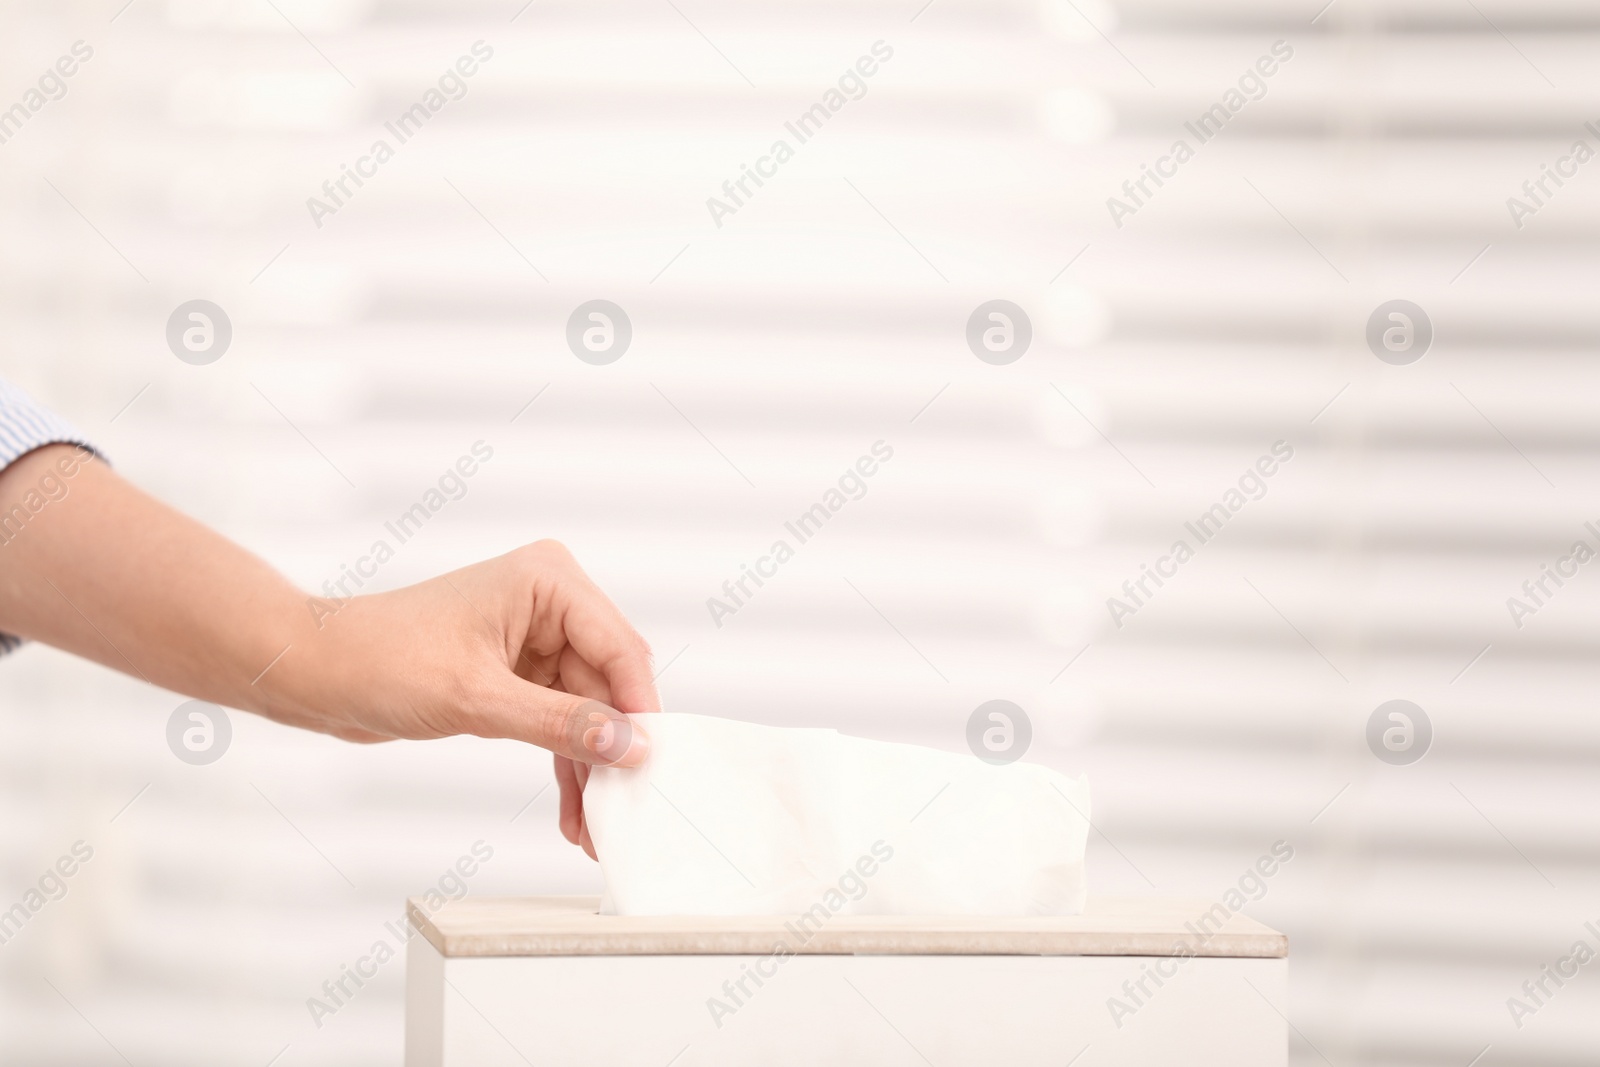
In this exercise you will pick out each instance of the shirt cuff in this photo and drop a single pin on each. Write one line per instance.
(24, 426)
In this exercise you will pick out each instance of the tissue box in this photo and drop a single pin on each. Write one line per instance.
(548, 980)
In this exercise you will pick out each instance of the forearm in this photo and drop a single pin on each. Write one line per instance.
(90, 564)
(521, 646)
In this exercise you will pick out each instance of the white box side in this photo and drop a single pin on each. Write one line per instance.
(880, 1010)
(424, 1004)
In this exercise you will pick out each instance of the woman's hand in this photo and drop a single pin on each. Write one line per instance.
(523, 646)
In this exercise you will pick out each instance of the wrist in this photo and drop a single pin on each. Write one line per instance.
(284, 663)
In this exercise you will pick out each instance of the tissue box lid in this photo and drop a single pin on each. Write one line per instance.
(572, 926)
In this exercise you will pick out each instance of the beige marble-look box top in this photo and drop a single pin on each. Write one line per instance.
(1110, 926)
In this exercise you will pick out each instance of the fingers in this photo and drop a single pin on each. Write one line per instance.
(604, 640)
(572, 777)
(580, 679)
(608, 737)
(585, 842)
(571, 817)
(586, 731)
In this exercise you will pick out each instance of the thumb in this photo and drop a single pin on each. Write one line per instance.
(576, 727)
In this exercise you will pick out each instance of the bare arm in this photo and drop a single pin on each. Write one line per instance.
(521, 646)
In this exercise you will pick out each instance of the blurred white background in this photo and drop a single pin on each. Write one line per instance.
(828, 313)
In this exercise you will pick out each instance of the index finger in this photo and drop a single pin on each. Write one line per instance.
(604, 639)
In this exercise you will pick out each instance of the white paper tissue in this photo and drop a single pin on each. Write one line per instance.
(731, 818)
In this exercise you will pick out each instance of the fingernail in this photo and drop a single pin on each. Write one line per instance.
(612, 738)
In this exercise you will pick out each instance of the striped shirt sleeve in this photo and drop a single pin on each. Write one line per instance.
(25, 426)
